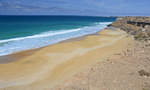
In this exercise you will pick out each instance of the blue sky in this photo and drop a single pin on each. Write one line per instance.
(75, 7)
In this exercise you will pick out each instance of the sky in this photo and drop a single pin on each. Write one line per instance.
(76, 7)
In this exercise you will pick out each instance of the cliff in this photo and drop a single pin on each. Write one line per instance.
(139, 27)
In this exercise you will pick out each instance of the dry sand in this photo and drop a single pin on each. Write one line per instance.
(128, 70)
(52, 65)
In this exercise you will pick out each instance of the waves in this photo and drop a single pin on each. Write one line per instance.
(46, 34)
(9, 46)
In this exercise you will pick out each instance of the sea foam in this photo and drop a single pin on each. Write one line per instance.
(46, 38)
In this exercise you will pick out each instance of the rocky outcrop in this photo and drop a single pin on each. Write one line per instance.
(139, 27)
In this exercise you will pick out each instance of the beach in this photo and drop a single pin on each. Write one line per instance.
(47, 67)
(30, 32)
(74, 45)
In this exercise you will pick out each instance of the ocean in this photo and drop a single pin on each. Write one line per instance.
(18, 33)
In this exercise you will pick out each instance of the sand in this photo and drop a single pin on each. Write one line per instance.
(128, 70)
(50, 66)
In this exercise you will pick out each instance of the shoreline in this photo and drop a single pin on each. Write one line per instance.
(55, 63)
(25, 53)
(38, 40)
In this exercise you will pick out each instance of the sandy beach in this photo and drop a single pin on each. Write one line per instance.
(51, 65)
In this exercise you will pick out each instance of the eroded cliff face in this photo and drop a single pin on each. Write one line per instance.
(139, 27)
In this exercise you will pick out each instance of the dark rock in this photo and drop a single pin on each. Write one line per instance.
(143, 73)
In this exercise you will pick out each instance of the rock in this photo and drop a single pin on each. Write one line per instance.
(139, 27)
(143, 73)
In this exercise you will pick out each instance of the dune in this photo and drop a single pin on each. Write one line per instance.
(53, 64)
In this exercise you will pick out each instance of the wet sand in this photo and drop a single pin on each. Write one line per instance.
(51, 65)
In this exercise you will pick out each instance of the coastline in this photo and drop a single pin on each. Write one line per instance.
(127, 70)
(55, 63)
(46, 32)
(25, 53)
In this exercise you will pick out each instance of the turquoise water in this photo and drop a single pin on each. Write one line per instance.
(19, 33)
